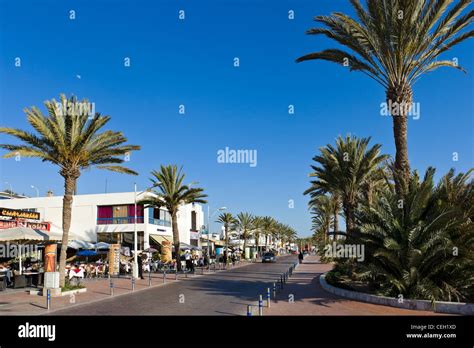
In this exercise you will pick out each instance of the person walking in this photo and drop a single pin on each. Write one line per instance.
(189, 261)
(140, 266)
(300, 257)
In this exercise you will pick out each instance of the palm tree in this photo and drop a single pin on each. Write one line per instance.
(410, 247)
(244, 224)
(170, 192)
(322, 210)
(71, 141)
(268, 226)
(228, 220)
(343, 170)
(395, 42)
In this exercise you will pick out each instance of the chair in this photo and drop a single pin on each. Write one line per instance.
(19, 281)
(3, 283)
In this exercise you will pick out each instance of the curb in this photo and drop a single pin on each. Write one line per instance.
(420, 305)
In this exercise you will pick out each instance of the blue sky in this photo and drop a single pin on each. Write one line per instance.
(190, 62)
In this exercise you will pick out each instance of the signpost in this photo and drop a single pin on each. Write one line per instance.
(20, 214)
(114, 259)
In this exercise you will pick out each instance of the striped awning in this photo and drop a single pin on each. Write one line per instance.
(159, 238)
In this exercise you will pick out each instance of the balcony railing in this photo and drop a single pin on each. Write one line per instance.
(159, 222)
(119, 220)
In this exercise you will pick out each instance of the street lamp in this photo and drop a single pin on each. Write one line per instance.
(209, 232)
(37, 191)
(135, 232)
(11, 189)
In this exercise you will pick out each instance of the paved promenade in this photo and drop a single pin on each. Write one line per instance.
(20, 302)
(311, 299)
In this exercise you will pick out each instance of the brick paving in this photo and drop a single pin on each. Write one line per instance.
(20, 302)
(311, 299)
(218, 293)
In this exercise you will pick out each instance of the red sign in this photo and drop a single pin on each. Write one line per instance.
(45, 226)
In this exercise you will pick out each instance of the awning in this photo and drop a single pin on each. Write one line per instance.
(159, 238)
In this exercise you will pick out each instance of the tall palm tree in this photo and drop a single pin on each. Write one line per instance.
(395, 42)
(73, 142)
(344, 169)
(228, 220)
(170, 192)
(244, 224)
(268, 226)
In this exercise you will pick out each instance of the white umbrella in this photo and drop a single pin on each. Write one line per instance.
(16, 234)
(80, 244)
(102, 245)
(20, 235)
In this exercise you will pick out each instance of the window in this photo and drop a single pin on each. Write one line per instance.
(119, 214)
(193, 221)
(159, 217)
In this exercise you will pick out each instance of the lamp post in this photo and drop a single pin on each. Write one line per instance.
(135, 232)
(37, 191)
(209, 232)
(135, 235)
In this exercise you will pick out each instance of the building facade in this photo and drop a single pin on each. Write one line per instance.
(110, 218)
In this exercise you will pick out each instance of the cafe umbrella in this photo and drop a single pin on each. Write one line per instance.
(26, 235)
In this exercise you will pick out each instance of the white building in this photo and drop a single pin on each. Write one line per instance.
(109, 217)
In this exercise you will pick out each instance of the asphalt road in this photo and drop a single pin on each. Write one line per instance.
(222, 293)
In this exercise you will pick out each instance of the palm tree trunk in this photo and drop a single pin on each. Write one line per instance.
(266, 241)
(349, 215)
(245, 245)
(402, 95)
(226, 244)
(69, 185)
(174, 224)
(336, 214)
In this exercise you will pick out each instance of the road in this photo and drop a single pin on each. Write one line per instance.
(221, 293)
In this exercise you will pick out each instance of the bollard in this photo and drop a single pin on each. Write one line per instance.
(281, 282)
(274, 291)
(260, 305)
(164, 276)
(133, 283)
(249, 310)
(268, 297)
(149, 278)
(176, 275)
(111, 284)
(185, 274)
(48, 299)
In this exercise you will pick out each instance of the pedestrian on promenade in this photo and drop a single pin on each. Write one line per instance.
(300, 256)
(189, 261)
(140, 266)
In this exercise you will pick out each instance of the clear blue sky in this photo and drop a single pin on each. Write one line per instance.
(190, 62)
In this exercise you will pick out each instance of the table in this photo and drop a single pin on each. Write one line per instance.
(33, 278)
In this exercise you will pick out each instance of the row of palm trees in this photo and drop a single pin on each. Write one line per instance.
(395, 43)
(418, 235)
(419, 246)
(75, 142)
(248, 225)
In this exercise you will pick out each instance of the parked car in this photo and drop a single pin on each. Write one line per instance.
(268, 257)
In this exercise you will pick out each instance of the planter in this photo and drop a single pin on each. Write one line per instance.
(421, 305)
